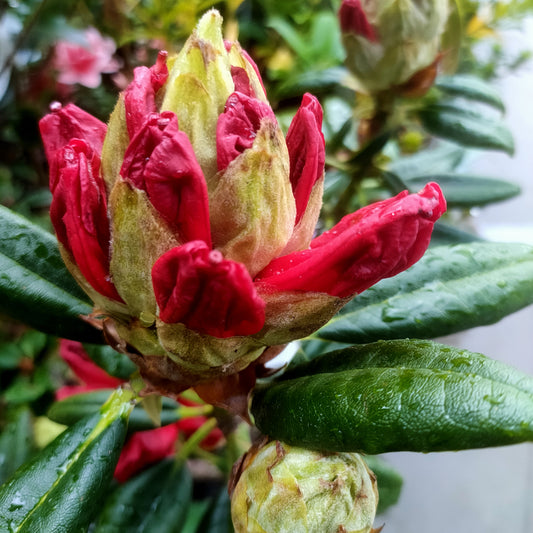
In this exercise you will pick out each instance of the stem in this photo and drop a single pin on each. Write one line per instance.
(192, 443)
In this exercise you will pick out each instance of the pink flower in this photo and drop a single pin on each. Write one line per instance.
(142, 448)
(353, 19)
(85, 63)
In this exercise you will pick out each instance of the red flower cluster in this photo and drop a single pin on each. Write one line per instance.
(193, 214)
(142, 448)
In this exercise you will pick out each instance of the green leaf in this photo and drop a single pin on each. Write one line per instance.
(444, 158)
(218, 516)
(389, 482)
(315, 81)
(399, 396)
(75, 407)
(154, 501)
(62, 487)
(35, 286)
(472, 88)
(16, 442)
(452, 288)
(467, 127)
(467, 190)
(114, 363)
(444, 234)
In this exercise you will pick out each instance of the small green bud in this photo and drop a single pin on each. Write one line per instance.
(284, 488)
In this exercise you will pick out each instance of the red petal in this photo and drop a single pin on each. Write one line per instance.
(378, 241)
(353, 20)
(139, 96)
(307, 154)
(238, 125)
(85, 369)
(145, 448)
(79, 214)
(66, 123)
(195, 286)
(160, 160)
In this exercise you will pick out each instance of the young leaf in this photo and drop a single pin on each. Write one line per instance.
(467, 127)
(452, 288)
(72, 409)
(35, 286)
(62, 487)
(155, 501)
(463, 190)
(423, 404)
(472, 88)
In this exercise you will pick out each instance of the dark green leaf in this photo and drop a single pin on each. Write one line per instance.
(218, 516)
(465, 190)
(114, 363)
(400, 396)
(444, 234)
(155, 501)
(35, 286)
(314, 81)
(452, 288)
(72, 409)
(62, 487)
(389, 482)
(470, 87)
(467, 128)
(16, 442)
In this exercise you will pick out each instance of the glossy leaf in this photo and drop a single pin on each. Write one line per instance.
(452, 288)
(218, 516)
(16, 442)
(35, 286)
(72, 409)
(63, 486)
(389, 482)
(471, 88)
(463, 190)
(467, 127)
(114, 363)
(154, 501)
(399, 396)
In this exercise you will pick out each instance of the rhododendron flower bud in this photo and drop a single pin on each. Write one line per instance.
(286, 488)
(388, 41)
(191, 223)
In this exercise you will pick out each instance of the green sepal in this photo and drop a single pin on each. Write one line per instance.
(154, 501)
(400, 396)
(452, 288)
(62, 487)
(467, 127)
(35, 286)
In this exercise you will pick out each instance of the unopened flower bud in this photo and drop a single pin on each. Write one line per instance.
(283, 488)
(189, 219)
(388, 41)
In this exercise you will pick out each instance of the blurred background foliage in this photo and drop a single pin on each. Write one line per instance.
(376, 144)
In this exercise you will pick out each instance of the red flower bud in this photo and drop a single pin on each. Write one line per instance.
(207, 293)
(238, 125)
(139, 96)
(377, 241)
(79, 214)
(66, 123)
(92, 376)
(353, 20)
(160, 161)
(306, 146)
